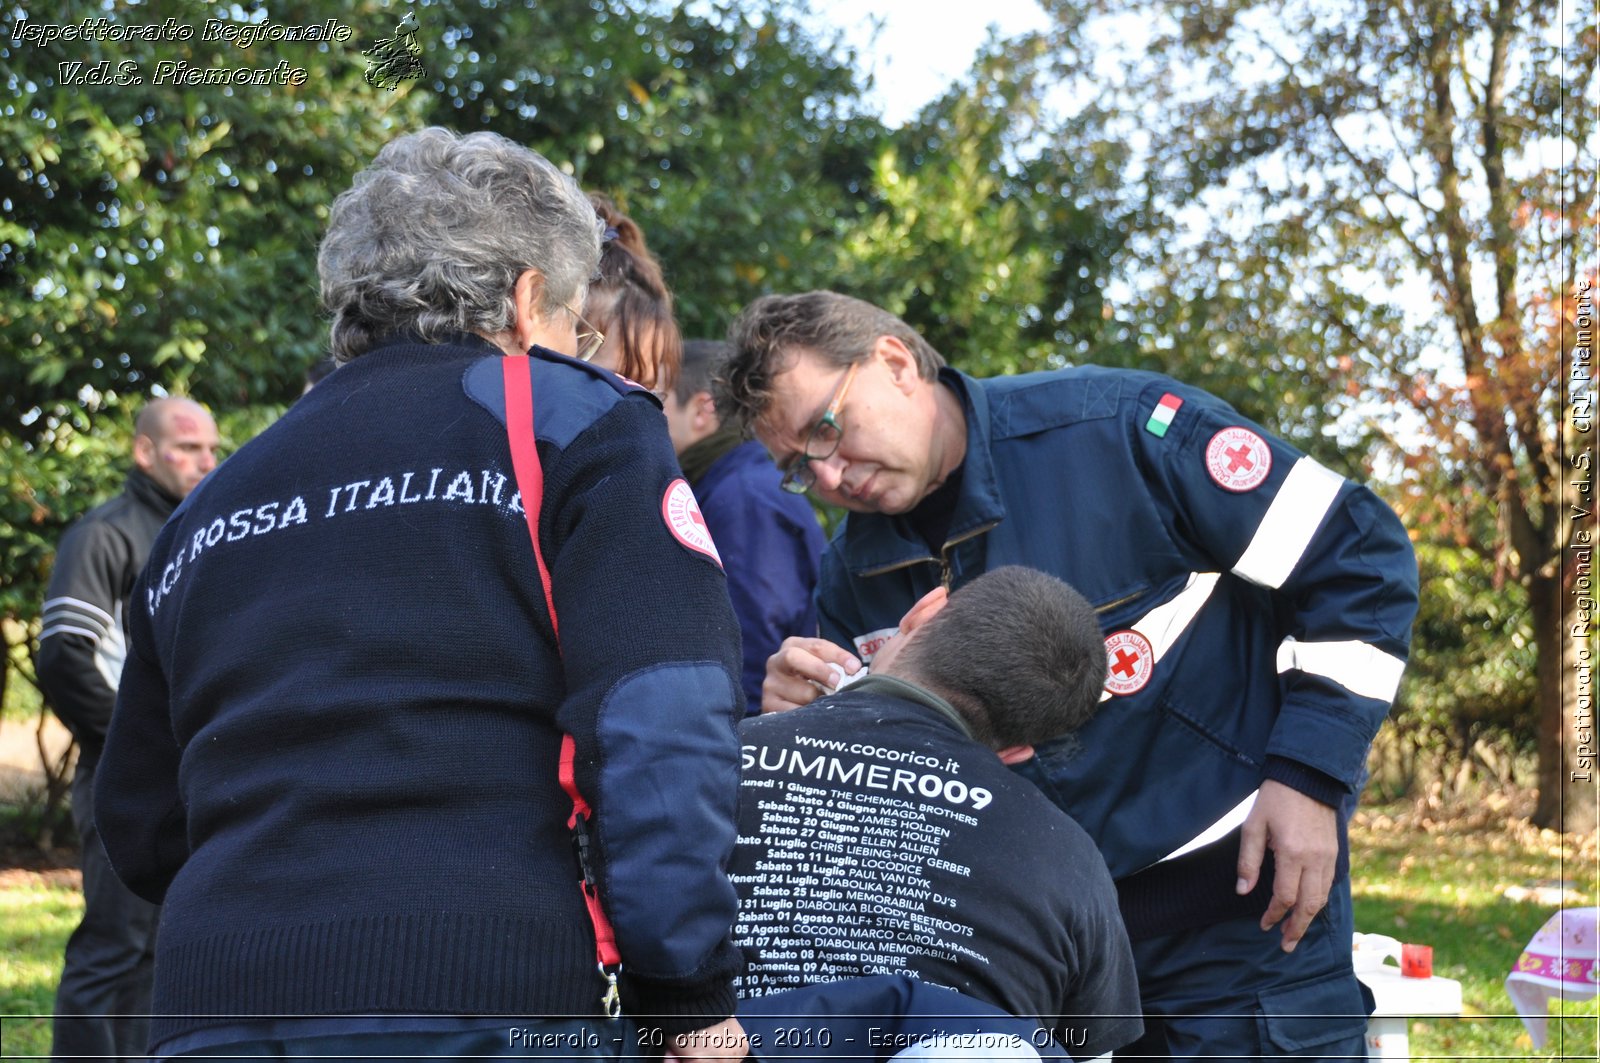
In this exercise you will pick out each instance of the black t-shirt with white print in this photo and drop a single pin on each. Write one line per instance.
(875, 837)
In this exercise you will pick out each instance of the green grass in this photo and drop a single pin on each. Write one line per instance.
(1440, 880)
(1420, 876)
(37, 912)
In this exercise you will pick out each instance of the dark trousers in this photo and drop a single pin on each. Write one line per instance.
(103, 1001)
(1228, 992)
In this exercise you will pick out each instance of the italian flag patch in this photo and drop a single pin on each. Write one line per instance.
(1165, 411)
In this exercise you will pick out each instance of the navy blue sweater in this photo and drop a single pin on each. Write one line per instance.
(334, 752)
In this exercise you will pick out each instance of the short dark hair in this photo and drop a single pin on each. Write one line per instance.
(837, 328)
(702, 361)
(1017, 652)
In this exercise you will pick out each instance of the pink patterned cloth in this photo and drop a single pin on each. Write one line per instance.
(1562, 960)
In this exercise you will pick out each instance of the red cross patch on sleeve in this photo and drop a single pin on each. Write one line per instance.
(1238, 459)
(1130, 661)
(684, 520)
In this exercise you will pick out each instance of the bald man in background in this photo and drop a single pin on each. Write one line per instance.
(103, 1000)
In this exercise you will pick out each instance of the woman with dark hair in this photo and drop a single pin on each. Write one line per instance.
(629, 302)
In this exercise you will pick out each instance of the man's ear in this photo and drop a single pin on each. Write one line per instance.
(705, 412)
(1014, 754)
(902, 363)
(144, 453)
(926, 608)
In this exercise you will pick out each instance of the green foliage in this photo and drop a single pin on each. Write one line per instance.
(161, 238)
(162, 235)
(737, 140)
(1473, 666)
(944, 246)
(991, 226)
(45, 488)
(732, 136)
(157, 238)
(1357, 233)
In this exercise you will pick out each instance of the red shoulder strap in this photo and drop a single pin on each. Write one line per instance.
(529, 474)
(525, 462)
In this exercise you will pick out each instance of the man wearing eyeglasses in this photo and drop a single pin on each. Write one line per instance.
(1256, 608)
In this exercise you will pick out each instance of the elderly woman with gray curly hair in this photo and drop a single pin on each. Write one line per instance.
(411, 742)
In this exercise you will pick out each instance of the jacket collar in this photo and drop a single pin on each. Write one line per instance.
(150, 494)
(874, 540)
(470, 341)
(895, 687)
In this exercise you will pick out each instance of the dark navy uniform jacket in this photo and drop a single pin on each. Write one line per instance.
(335, 749)
(1257, 606)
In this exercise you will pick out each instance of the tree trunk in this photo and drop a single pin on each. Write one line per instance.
(1567, 771)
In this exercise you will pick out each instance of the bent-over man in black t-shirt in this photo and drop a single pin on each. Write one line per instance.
(881, 831)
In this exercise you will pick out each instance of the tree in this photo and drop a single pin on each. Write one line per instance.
(738, 139)
(162, 233)
(1471, 684)
(158, 237)
(1392, 226)
(989, 225)
(731, 134)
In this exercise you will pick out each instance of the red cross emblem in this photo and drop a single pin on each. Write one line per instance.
(1238, 459)
(684, 520)
(1130, 661)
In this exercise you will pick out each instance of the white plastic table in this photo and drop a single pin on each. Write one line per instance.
(1399, 1000)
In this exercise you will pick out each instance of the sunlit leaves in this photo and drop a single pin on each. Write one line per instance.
(1382, 203)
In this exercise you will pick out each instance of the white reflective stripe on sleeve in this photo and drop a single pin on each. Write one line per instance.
(1292, 519)
(1231, 819)
(67, 616)
(68, 629)
(1356, 666)
(1163, 624)
(76, 603)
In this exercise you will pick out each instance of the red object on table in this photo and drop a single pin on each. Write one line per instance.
(1416, 961)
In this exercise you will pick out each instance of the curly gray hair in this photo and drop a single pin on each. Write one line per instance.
(433, 235)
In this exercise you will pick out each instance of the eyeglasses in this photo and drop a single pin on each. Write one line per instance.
(590, 339)
(821, 444)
